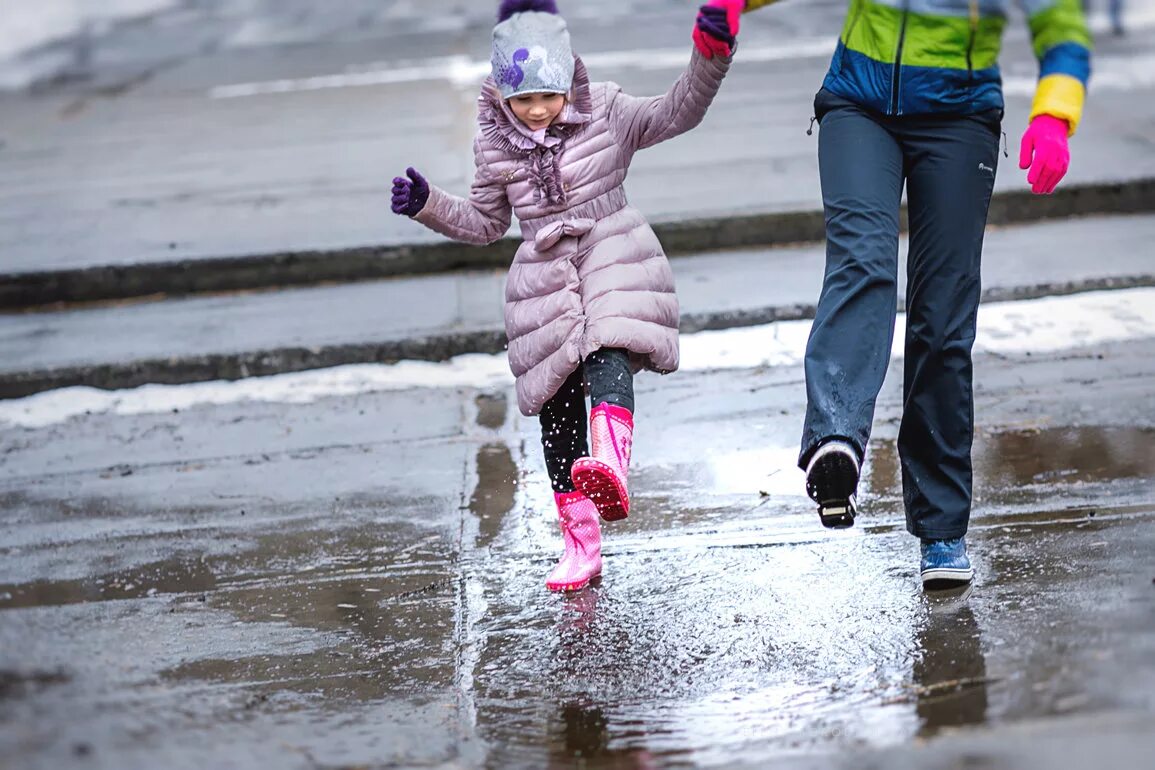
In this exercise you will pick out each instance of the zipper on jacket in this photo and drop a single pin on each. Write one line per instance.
(974, 17)
(896, 78)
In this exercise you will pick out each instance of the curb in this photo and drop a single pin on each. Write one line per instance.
(23, 291)
(435, 347)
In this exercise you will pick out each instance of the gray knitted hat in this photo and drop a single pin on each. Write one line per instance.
(531, 49)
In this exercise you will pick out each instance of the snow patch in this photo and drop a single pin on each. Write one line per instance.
(55, 406)
(1035, 326)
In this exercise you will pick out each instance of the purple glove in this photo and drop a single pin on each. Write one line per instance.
(409, 197)
(712, 33)
(716, 31)
(712, 20)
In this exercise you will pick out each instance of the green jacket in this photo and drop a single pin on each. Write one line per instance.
(909, 57)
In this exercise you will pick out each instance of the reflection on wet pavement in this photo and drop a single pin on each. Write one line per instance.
(493, 497)
(396, 614)
(949, 675)
(760, 653)
(1011, 459)
(580, 736)
(14, 684)
(167, 577)
(1020, 465)
(492, 409)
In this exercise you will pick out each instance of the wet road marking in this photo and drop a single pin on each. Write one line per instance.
(464, 72)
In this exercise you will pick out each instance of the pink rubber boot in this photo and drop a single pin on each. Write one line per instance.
(602, 477)
(582, 560)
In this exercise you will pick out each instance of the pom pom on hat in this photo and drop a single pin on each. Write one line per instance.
(510, 7)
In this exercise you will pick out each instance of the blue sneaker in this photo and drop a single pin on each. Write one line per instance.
(945, 563)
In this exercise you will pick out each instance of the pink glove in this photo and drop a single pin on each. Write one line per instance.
(734, 10)
(716, 30)
(1044, 151)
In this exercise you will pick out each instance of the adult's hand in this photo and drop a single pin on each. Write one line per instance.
(716, 30)
(1045, 152)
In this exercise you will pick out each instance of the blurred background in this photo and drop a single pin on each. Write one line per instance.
(266, 498)
(153, 130)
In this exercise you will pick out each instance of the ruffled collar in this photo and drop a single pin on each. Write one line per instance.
(503, 129)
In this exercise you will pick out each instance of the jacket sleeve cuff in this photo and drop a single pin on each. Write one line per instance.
(1060, 96)
(428, 213)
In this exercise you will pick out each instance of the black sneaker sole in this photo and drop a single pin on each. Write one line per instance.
(837, 516)
(832, 483)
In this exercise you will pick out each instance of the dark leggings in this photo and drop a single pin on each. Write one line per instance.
(563, 418)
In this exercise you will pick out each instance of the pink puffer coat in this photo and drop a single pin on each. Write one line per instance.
(590, 272)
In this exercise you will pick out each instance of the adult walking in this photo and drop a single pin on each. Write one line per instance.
(914, 96)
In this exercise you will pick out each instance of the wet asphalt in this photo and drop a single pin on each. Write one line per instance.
(358, 582)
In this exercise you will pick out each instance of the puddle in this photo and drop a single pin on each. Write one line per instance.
(491, 410)
(693, 654)
(686, 654)
(172, 576)
(19, 684)
(728, 626)
(386, 623)
(1016, 466)
(493, 497)
(332, 680)
(1006, 460)
(579, 735)
(393, 608)
(949, 676)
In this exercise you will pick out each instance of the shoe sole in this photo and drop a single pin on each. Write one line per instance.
(837, 476)
(946, 579)
(567, 587)
(600, 484)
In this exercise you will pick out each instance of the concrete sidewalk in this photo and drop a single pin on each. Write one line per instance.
(43, 289)
(251, 168)
(436, 317)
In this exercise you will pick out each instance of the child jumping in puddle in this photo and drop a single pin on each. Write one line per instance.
(590, 296)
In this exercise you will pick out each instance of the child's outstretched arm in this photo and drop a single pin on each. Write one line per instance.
(480, 219)
(643, 122)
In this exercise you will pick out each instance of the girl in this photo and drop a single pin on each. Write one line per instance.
(590, 296)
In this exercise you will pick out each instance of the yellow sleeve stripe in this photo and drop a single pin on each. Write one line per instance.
(754, 4)
(1060, 96)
